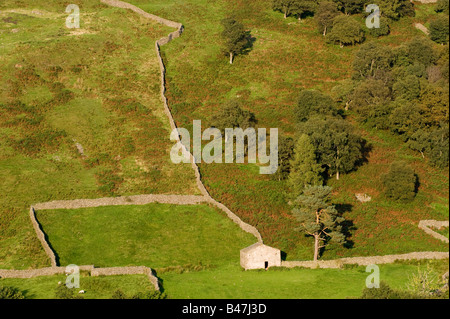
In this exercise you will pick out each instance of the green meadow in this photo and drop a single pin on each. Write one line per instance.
(101, 287)
(80, 115)
(155, 235)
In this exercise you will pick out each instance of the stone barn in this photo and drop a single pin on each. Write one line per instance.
(260, 256)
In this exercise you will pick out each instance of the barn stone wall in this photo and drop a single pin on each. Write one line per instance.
(257, 257)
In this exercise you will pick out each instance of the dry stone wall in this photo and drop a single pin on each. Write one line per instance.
(41, 236)
(122, 201)
(95, 272)
(426, 225)
(180, 28)
(365, 261)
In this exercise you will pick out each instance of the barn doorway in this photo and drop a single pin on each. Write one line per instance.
(266, 265)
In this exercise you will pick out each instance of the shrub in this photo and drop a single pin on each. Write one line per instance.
(120, 295)
(62, 292)
(442, 6)
(400, 182)
(10, 293)
(384, 29)
(439, 29)
(386, 292)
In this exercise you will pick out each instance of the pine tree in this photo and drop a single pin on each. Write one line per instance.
(304, 167)
(318, 218)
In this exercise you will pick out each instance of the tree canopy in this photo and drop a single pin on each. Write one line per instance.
(318, 217)
(235, 37)
(439, 29)
(337, 145)
(400, 182)
(232, 115)
(346, 31)
(313, 102)
(325, 14)
(304, 168)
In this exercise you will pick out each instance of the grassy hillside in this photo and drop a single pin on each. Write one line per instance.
(155, 236)
(288, 55)
(80, 115)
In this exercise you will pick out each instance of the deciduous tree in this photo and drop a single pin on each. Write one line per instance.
(439, 29)
(235, 38)
(325, 14)
(370, 58)
(312, 102)
(350, 6)
(337, 145)
(346, 31)
(232, 115)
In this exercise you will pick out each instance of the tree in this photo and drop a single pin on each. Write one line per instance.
(325, 14)
(233, 116)
(406, 118)
(342, 92)
(235, 38)
(304, 167)
(395, 9)
(62, 292)
(435, 105)
(442, 6)
(407, 88)
(370, 58)
(318, 218)
(367, 95)
(439, 29)
(312, 102)
(294, 7)
(419, 49)
(346, 31)
(284, 6)
(400, 182)
(433, 144)
(337, 145)
(285, 153)
(350, 6)
(384, 28)
(304, 6)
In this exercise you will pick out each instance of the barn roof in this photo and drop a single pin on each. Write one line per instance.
(256, 246)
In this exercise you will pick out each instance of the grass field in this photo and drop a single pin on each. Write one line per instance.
(234, 283)
(231, 282)
(155, 236)
(101, 287)
(97, 87)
